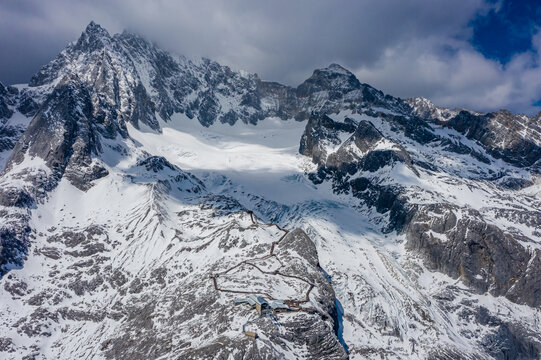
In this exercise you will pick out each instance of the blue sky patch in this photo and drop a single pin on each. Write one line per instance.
(508, 30)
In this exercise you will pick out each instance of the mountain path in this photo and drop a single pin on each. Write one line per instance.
(250, 261)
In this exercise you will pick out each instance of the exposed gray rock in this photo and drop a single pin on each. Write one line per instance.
(5, 101)
(497, 133)
(6, 345)
(480, 254)
(320, 132)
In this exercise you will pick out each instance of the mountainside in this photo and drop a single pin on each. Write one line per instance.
(153, 206)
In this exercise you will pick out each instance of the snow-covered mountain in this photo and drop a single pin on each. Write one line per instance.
(146, 199)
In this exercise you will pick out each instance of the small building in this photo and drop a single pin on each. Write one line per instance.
(247, 301)
(262, 306)
(279, 306)
(251, 334)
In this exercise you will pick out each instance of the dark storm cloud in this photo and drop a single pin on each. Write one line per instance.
(406, 48)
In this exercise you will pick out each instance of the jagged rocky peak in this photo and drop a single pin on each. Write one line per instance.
(65, 136)
(348, 145)
(334, 88)
(93, 38)
(334, 77)
(426, 109)
(140, 83)
(108, 72)
(337, 68)
(12, 99)
(514, 138)
(15, 108)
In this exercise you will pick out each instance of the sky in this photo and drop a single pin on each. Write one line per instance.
(478, 54)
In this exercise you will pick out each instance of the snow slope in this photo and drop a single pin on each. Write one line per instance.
(385, 291)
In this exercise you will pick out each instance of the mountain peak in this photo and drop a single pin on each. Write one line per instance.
(334, 67)
(420, 101)
(94, 37)
(93, 28)
(333, 77)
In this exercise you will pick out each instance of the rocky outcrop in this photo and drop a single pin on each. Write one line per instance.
(157, 168)
(12, 100)
(512, 138)
(481, 255)
(425, 109)
(65, 136)
(279, 100)
(358, 158)
(5, 102)
(322, 133)
(365, 147)
(61, 140)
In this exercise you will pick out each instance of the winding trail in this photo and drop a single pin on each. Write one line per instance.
(276, 272)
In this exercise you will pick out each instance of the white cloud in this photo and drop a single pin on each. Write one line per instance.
(457, 77)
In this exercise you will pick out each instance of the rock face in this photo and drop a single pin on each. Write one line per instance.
(402, 230)
(480, 254)
(513, 138)
(392, 160)
(65, 135)
(456, 240)
(11, 101)
(365, 148)
(499, 133)
(137, 82)
(5, 101)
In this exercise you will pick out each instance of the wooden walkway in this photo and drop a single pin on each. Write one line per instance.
(276, 272)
